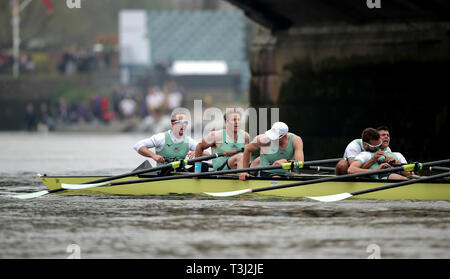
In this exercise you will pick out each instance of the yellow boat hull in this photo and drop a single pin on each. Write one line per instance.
(420, 191)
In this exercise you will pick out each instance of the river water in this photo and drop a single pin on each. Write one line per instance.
(59, 227)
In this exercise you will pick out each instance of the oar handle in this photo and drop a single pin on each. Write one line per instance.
(287, 166)
(214, 156)
(232, 152)
(174, 165)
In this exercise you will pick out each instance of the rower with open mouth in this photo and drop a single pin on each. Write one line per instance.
(368, 136)
(378, 155)
(172, 145)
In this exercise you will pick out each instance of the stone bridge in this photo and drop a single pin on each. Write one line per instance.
(336, 67)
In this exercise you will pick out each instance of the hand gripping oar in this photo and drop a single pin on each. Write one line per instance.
(104, 181)
(409, 167)
(286, 166)
(343, 196)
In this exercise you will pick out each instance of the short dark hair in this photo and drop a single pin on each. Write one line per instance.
(382, 128)
(370, 134)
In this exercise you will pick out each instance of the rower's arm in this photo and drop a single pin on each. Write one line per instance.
(143, 147)
(369, 163)
(207, 142)
(372, 160)
(356, 167)
(247, 138)
(249, 148)
(298, 149)
(200, 147)
(144, 151)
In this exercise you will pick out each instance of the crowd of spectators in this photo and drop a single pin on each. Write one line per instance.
(71, 60)
(81, 60)
(26, 63)
(122, 104)
(148, 102)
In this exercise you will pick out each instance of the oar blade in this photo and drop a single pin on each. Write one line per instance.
(229, 194)
(331, 198)
(30, 195)
(83, 186)
(145, 165)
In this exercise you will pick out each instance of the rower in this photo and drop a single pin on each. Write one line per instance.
(368, 142)
(389, 158)
(377, 155)
(170, 146)
(229, 139)
(383, 155)
(385, 136)
(276, 146)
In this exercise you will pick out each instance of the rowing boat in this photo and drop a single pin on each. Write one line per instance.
(430, 190)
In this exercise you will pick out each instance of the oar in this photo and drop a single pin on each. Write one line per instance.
(320, 168)
(102, 181)
(286, 166)
(439, 169)
(343, 196)
(410, 167)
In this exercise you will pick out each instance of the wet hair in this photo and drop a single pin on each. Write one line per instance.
(370, 134)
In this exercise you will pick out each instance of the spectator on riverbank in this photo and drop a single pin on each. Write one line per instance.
(26, 63)
(117, 96)
(63, 110)
(67, 66)
(128, 108)
(83, 112)
(31, 118)
(6, 62)
(75, 60)
(155, 101)
(45, 117)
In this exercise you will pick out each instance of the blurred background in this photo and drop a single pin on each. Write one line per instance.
(119, 65)
(333, 68)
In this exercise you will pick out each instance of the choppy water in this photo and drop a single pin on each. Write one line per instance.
(190, 226)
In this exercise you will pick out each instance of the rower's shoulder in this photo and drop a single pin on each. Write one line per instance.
(297, 138)
(158, 136)
(214, 134)
(246, 134)
(364, 156)
(355, 144)
(213, 137)
(262, 139)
